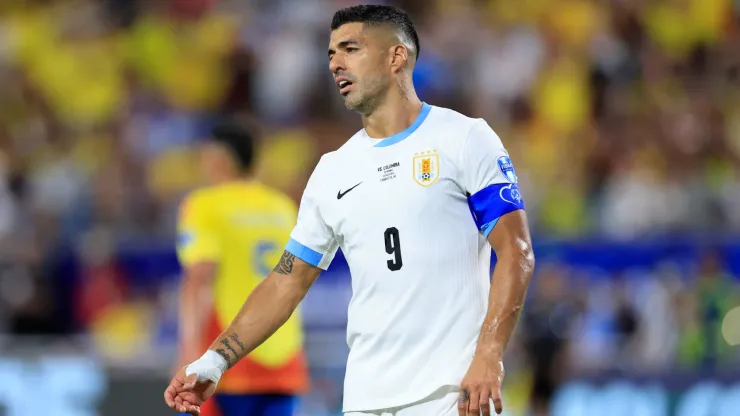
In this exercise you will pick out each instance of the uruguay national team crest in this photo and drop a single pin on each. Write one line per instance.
(426, 167)
(507, 168)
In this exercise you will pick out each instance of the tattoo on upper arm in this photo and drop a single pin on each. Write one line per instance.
(285, 265)
(225, 356)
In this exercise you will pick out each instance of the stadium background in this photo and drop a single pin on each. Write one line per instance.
(622, 116)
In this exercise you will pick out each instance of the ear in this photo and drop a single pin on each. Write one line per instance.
(399, 58)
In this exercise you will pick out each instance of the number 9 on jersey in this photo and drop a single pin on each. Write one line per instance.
(393, 247)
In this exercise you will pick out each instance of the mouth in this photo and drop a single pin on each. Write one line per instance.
(344, 86)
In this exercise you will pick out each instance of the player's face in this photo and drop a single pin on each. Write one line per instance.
(360, 67)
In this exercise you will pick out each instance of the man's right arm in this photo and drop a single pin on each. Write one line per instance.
(266, 309)
(310, 250)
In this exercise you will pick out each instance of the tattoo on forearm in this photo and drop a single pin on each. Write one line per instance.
(235, 338)
(227, 344)
(285, 265)
(225, 356)
(224, 352)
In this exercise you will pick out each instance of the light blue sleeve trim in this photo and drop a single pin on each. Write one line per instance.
(304, 253)
(487, 228)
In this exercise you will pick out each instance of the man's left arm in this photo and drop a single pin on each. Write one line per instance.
(512, 244)
(497, 207)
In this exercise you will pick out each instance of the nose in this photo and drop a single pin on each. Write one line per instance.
(337, 64)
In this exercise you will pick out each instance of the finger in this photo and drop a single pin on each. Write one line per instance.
(192, 398)
(190, 382)
(179, 403)
(474, 403)
(462, 402)
(191, 408)
(498, 404)
(485, 402)
(169, 396)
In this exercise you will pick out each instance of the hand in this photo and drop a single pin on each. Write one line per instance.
(187, 394)
(184, 358)
(481, 383)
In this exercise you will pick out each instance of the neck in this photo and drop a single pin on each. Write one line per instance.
(397, 112)
(229, 178)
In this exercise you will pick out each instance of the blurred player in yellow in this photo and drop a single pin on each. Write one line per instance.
(229, 234)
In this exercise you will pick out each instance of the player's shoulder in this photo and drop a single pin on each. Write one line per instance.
(451, 130)
(330, 161)
(197, 200)
(334, 162)
(442, 117)
(274, 197)
(356, 143)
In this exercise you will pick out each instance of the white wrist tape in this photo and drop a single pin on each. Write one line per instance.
(211, 366)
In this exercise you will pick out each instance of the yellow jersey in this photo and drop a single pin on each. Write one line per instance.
(243, 227)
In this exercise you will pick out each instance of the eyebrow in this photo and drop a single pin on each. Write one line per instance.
(343, 44)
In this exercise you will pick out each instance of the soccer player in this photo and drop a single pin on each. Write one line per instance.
(415, 200)
(230, 234)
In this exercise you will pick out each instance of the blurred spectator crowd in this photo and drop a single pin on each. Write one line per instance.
(622, 116)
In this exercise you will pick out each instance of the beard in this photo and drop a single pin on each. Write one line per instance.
(368, 96)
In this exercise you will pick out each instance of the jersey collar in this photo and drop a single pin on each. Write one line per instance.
(398, 137)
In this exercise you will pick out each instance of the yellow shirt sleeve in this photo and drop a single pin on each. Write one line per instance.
(196, 240)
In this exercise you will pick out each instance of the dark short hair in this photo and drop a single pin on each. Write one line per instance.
(375, 15)
(238, 139)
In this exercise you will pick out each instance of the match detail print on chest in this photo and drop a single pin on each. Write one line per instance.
(408, 179)
(424, 168)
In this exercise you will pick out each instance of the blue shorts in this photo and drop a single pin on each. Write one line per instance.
(256, 404)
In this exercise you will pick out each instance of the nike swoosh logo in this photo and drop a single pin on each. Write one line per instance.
(340, 194)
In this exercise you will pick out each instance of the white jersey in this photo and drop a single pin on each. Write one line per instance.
(411, 214)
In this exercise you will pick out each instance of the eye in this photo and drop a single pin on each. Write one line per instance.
(352, 49)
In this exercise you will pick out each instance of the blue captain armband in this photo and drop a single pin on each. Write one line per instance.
(492, 202)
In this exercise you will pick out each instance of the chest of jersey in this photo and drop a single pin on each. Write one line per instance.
(413, 191)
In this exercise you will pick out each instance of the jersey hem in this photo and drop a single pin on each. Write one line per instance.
(396, 402)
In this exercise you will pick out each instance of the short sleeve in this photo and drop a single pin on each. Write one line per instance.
(312, 240)
(488, 177)
(196, 241)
